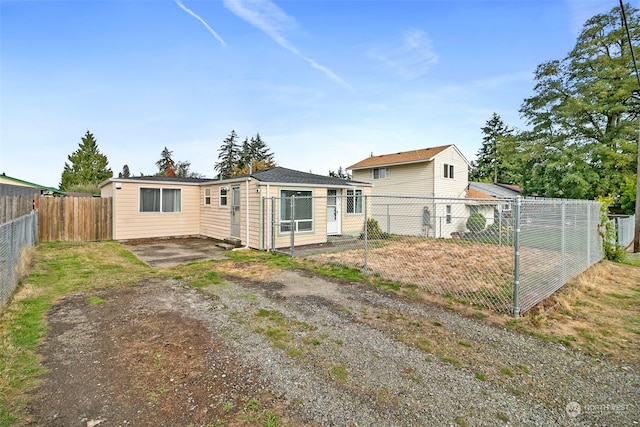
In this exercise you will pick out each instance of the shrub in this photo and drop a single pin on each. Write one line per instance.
(374, 231)
(476, 222)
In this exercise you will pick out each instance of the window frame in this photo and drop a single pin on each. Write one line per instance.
(380, 171)
(447, 214)
(448, 171)
(207, 196)
(354, 201)
(223, 199)
(160, 203)
(301, 225)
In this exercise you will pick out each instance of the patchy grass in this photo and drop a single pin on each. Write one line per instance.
(598, 312)
(57, 269)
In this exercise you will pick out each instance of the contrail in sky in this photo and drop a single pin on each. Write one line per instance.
(273, 21)
(192, 13)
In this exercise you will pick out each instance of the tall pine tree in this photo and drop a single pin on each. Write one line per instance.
(496, 160)
(87, 167)
(228, 157)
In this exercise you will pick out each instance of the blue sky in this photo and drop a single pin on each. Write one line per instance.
(325, 83)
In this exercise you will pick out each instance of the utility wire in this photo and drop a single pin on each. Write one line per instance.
(633, 57)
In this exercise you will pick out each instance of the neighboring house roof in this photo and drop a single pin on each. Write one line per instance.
(282, 175)
(158, 179)
(481, 190)
(4, 178)
(404, 157)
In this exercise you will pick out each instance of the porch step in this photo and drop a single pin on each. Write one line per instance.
(229, 243)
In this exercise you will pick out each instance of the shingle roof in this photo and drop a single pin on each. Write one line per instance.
(413, 156)
(165, 179)
(478, 189)
(291, 176)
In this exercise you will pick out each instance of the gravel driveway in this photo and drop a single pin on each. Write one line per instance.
(326, 353)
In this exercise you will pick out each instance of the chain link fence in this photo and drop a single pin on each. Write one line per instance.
(16, 237)
(502, 254)
(625, 229)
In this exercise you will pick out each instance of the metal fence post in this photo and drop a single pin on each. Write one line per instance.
(365, 268)
(516, 260)
(563, 242)
(292, 224)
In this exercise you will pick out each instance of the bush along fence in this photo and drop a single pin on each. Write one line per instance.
(502, 254)
(16, 237)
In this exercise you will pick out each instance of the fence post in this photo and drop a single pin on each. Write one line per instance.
(516, 260)
(293, 223)
(365, 234)
(563, 242)
(588, 235)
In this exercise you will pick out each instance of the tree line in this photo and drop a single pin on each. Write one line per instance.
(583, 118)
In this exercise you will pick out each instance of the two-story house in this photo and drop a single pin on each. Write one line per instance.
(403, 181)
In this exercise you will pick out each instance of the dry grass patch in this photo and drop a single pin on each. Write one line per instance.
(598, 312)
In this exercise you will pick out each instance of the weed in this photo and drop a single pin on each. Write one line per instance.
(436, 323)
(339, 373)
(464, 343)
(269, 419)
(95, 301)
(428, 359)
(462, 422)
(424, 344)
(251, 404)
(452, 360)
(587, 336)
(567, 341)
(508, 372)
(514, 391)
(502, 417)
(227, 406)
(480, 315)
(523, 369)
(481, 376)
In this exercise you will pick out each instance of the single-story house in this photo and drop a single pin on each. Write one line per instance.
(259, 210)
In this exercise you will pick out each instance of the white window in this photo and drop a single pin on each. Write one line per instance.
(380, 173)
(354, 201)
(448, 214)
(160, 200)
(223, 196)
(207, 196)
(448, 171)
(296, 210)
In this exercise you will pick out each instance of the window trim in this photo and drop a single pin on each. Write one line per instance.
(285, 224)
(223, 199)
(353, 207)
(448, 171)
(160, 201)
(447, 214)
(207, 196)
(385, 172)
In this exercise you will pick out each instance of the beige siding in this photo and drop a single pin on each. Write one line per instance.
(130, 223)
(447, 187)
(215, 219)
(415, 179)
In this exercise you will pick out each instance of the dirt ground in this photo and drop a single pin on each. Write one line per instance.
(156, 354)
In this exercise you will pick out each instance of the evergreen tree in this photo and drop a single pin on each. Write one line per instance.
(497, 155)
(584, 114)
(166, 164)
(259, 151)
(125, 172)
(340, 173)
(229, 156)
(87, 166)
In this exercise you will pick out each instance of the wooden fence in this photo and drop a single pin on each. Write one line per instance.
(12, 207)
(74, 218)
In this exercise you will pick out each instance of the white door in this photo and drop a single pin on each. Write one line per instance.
(333, 212)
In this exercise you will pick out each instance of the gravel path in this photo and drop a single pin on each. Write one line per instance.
(341, 354)
(345, 365)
